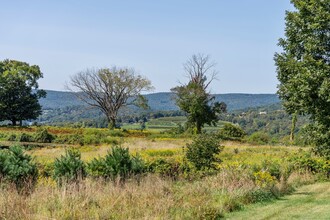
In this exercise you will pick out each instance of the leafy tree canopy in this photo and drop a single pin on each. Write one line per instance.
(19, 92)
(194, 99)
(304, 65)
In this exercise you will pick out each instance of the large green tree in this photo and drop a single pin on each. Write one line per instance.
(304, 66)
(194, 97)
(19, 92)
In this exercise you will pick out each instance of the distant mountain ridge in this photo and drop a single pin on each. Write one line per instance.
(164, 101)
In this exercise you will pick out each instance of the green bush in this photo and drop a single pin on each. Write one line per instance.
(110, 140)
(118, 163)
(26, 138)
(12, 137)
(3, 136)
(160, 153)
(2, 164)
(92, 139)
(318, 136)
(231, 132)
(203, 151)
(258, 138)
(43, 136)
(165, 167)
(313, 164)
(18, 168)
(259, 195)
(97, 168)
(70, 139)
(46, 169)
(69, 168)
(273, 167)
(178, 129)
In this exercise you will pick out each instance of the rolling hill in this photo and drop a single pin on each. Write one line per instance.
(64, 107)
(164, 101)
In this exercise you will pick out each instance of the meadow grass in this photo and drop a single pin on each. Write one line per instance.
(308, 202)
(152, 196)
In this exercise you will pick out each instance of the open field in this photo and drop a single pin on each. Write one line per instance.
(152, 198)
(308, 202)
(247, 174)
(165, 123)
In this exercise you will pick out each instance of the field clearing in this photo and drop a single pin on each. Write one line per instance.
(308, 202)
(153, 195)
(136, 145)
(166, 123)
(233, 151)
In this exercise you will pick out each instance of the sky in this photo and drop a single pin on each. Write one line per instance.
(64, 37)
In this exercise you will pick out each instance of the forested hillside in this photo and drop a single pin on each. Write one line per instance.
(164, 101)
(66, 107)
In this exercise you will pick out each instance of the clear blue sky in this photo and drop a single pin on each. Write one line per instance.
(64, 37)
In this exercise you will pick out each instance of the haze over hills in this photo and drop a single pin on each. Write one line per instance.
(65, 107)
(164, 101)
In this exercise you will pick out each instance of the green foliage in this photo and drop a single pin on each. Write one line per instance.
(12, 137)
(203, 151)
(260, 194)
(316, 135)
(199, 106)
(18, 168)
(43, 136)
(313, 164)
(304, 65)
(19, 92)
(70, 139)
(160, 153)
(92, 139)
(179, 129)
(321, 140)
(231, 132)
(69, 168)
(259, 138)
(166, 167)
(272, 167)
(194, 99)
(24, 137)
(210, 213)
(3, 157)
(118, 163)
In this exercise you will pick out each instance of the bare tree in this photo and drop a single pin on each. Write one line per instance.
(110, 89)
(194, 97)
(200, 70)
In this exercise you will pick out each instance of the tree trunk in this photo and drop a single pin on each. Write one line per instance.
(293, 126)
(13, 121)
(111, 123)
(198, 127)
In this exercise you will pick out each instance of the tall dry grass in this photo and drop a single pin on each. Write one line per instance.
(150, 198)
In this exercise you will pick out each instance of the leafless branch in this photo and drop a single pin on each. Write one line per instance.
(200, 70)
(108, 89)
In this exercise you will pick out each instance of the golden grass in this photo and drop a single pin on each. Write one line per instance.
(48, 154)
(150, 198)
(138, 145)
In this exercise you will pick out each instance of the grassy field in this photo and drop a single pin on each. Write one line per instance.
(166, 123)
(246, 174)
(308, 202)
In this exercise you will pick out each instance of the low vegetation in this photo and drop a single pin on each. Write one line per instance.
(149, 175)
